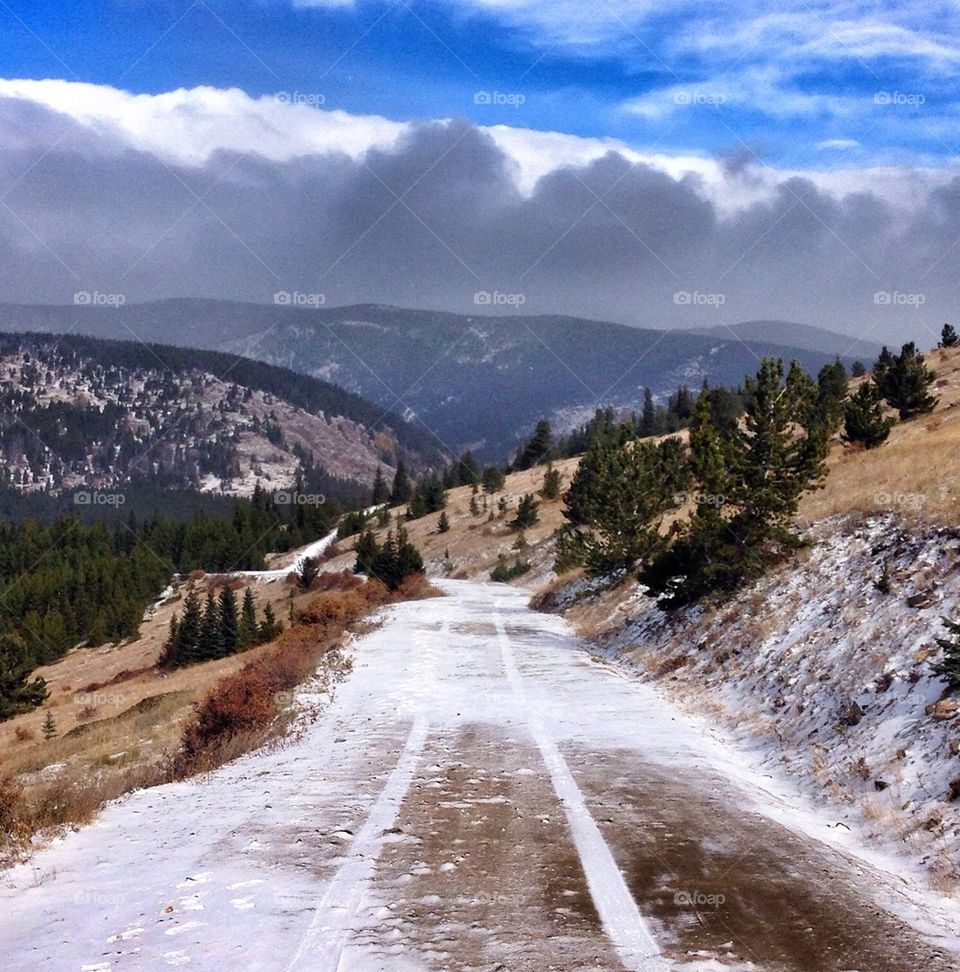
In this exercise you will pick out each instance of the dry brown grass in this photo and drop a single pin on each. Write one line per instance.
(915, 473)
(127, 724)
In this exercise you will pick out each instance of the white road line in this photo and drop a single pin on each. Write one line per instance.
(617, 908)
(326, 938)
(323, 944)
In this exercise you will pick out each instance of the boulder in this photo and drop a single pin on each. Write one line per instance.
(943, 710)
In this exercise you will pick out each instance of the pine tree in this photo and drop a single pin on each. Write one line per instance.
(551, 483)
(409, 560)
(904, 381)
(211, 645)
(443, 524)
(49, 727)
(616, 503)
(831, 394)
(949, 668)
(402, 488)
(884, 583)
(270, 627)
(366, 549)
(247, 628)
(307, 570)
(527, 513)
(432, 493)
(864, 421)
(229, 621)
(188, 648)
(380, 492)
(749, 483)
(537, 448)
(168, 653)
(493, 479)
(17, 694)
(396, 560)
(417, 507)
(858, 369)
(648, 418)
(474, 506)
(948, 337)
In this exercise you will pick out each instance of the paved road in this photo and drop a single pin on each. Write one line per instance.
(480, 795)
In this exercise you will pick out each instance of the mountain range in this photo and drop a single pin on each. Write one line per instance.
(444, 373)
(80, 413)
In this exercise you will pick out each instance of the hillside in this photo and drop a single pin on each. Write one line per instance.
(812, 671)
(442, 370)
(796, 335)
(79, 412)
(790, 743)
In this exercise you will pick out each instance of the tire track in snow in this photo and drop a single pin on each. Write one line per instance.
(322, 946)
(617, 908)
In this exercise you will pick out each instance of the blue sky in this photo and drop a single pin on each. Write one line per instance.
(813, 84)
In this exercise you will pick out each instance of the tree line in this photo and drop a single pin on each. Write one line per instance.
(65, 583)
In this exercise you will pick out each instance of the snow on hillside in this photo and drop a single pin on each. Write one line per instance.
(824, 676)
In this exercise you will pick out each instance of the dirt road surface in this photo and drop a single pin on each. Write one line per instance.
(481, 794)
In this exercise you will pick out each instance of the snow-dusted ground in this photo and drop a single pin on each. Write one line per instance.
(822, 676)
(316, 549)
(480, 794)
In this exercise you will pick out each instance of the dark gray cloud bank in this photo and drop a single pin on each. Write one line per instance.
(439, 219)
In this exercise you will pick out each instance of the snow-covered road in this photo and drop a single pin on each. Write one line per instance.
(481, 794)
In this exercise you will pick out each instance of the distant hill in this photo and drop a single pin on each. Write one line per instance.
(462, 381)
(803, 336)
(78, 412)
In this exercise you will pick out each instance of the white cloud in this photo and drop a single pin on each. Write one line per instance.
(838, 143)
(188, 126)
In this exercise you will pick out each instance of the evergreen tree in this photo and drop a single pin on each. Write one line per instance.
(396, 560)
(474, 506)
(168, 653)
(468, 473)
(49, 727)
(211, 644)
(186, 648)
(229, 621)
(409, 560)
(551, 484)
(616, 504)
(948, 336)
(402, 488)
(537, 448)
(270, 627)
(443, 524)
(864, 421)
(750, 481)
(949, 668)
(494, 479)
(417, 507)
(527, 513)
(380, 492)
(831, 394)
(883, 362)
(366, 549)
(307, 570)
(433, 494)
(247, 628)
(858, 369)
(904, 381)
(648, 418)
(17, 694)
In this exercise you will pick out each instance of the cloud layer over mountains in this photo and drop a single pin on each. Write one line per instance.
(260, 196)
